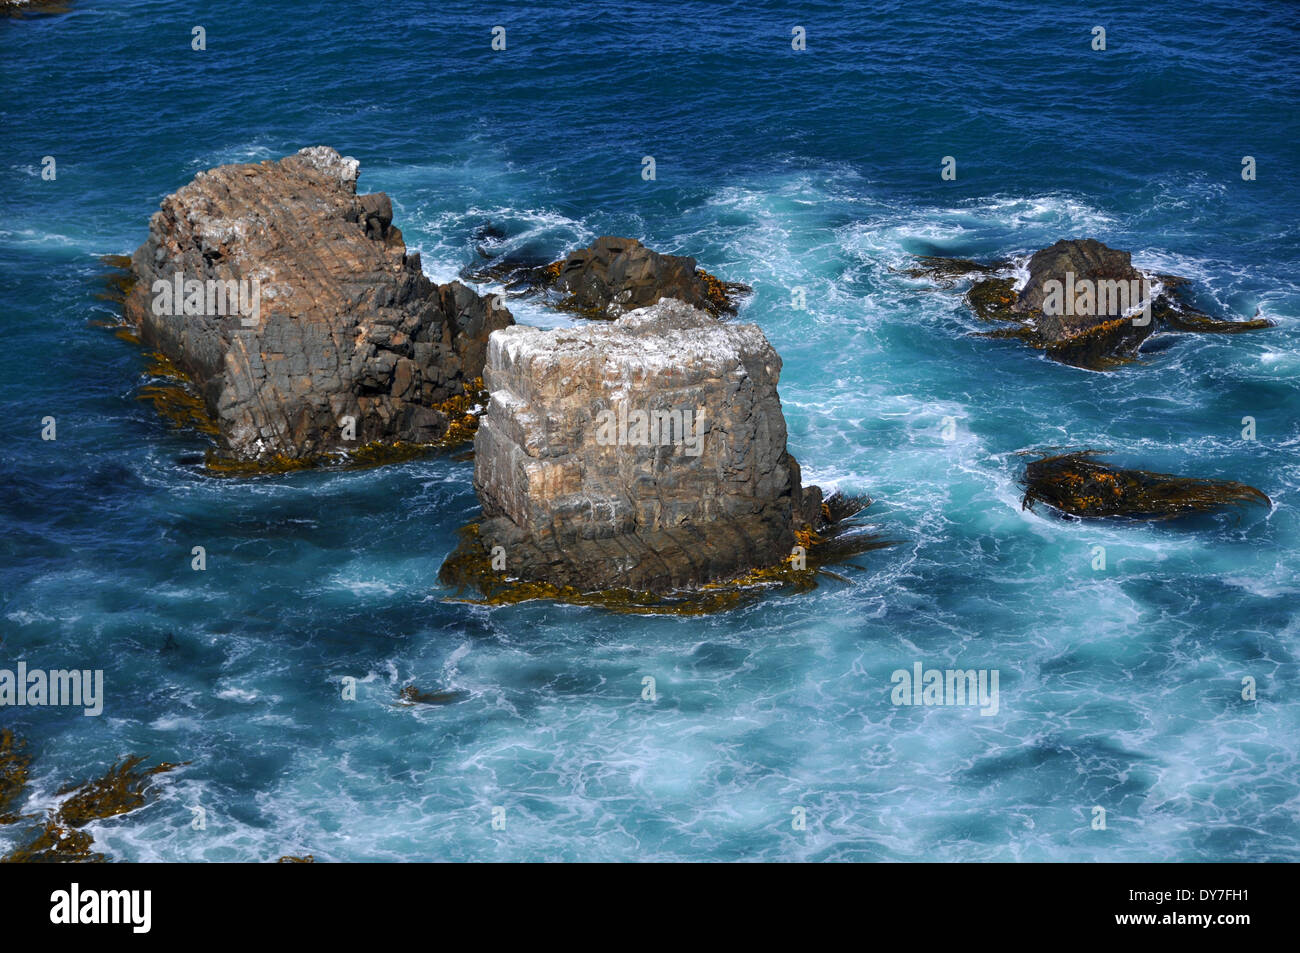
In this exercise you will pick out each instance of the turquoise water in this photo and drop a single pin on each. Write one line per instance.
(816, 170)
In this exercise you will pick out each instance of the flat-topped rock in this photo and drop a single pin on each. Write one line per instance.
(648, 453)
(332, 319)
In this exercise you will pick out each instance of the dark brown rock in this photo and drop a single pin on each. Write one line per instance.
(17, 9)
(1071, 262)
(1082, 303)
(613, 276)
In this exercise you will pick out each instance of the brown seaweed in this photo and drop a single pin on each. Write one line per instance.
(34, 8)
(992, 299)
(122, 789)
(55, 843)
(13, 773)
(57, 838)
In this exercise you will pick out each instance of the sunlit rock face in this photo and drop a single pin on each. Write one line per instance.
(293, 304)
(647, 453)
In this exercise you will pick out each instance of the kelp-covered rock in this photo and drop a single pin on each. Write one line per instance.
(647, 454)
(25, 8)
(292, 305)
(836, 534)
(411, 695)
(1079, 485)
(1074, 263)
(613, 276)
(1083, 303)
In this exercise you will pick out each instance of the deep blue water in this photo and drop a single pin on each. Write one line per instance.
(817, 170)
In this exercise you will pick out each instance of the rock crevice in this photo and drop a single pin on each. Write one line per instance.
(345, 325)
(648, 453)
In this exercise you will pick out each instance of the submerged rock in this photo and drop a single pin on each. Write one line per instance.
(948, 269)
(614, 276)
(1083, 303)
(411, 695)
(1077, 484)
(292, 305)
(645, 455)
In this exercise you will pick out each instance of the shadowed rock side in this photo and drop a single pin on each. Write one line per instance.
(614, 276)
(1077, 484)
(1096, 321)
(644, 456)
(344, 323)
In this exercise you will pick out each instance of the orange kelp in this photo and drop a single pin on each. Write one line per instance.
(1078, 485)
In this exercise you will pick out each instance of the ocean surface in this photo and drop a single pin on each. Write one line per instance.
(817, 170)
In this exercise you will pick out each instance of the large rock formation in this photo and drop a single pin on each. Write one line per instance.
(334, 320)
(1082, 303)
(645, 454)
(611, 277)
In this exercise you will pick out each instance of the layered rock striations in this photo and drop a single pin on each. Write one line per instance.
(293, 305)
(648, 454)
